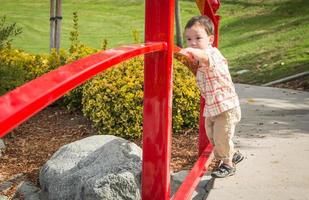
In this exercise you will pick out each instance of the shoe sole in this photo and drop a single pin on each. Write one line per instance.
(215, 176)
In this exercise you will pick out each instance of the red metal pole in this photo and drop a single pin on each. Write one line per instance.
(159, 23)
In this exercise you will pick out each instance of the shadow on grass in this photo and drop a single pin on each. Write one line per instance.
(287, 16)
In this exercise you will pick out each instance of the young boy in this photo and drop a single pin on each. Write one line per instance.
(222, 111)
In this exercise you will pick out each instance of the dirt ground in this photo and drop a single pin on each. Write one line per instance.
(30, 145)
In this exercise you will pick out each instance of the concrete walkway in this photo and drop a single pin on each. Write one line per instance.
(274, 137)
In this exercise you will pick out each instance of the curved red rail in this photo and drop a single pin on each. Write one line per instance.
(25, 101)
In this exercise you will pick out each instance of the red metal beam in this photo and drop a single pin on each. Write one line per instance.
(193, 178)
(23, 102)
(157, 122)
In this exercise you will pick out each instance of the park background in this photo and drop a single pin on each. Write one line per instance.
(262, 40)
(267, 38)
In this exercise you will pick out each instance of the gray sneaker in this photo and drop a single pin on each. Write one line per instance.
(237, 157)
(223, 171)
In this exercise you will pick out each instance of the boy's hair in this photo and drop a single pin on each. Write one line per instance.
(203, 21)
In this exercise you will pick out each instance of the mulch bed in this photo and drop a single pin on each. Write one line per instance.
(31, 144)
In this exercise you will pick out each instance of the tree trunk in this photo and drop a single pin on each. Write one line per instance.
(58, 24)
(52, 25)
(178, 24)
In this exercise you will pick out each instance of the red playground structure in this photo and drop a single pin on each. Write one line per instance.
(22, 103)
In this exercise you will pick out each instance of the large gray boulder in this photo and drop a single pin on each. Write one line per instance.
(97, 167)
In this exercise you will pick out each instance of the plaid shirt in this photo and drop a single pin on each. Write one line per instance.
(215, 84)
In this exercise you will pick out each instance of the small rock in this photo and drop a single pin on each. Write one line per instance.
(28, 191)
(2, 146)
(5, 185)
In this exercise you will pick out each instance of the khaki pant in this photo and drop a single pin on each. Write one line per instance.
(220, 130)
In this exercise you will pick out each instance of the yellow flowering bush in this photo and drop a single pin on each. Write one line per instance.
(18, 67)
(113, 100)
(186, 99)
(13, 68)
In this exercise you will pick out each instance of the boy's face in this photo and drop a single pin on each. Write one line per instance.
(197, 37)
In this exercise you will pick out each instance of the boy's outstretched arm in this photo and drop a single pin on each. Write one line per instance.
(198, 56)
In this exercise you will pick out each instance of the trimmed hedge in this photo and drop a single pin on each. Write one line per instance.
(186, 99)
(14, 68)
(113, 100)
(18, 67)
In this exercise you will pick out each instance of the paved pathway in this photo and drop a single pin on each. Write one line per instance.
(274, 137)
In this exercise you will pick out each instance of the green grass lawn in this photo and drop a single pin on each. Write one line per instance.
(113, 20)
(98, 20)
(269, 38)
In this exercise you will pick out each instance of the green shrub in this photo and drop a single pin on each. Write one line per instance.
(13, 68)
(44, 63)
(11, 77)
(186, 98)
(113, 100)
(18, 67)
